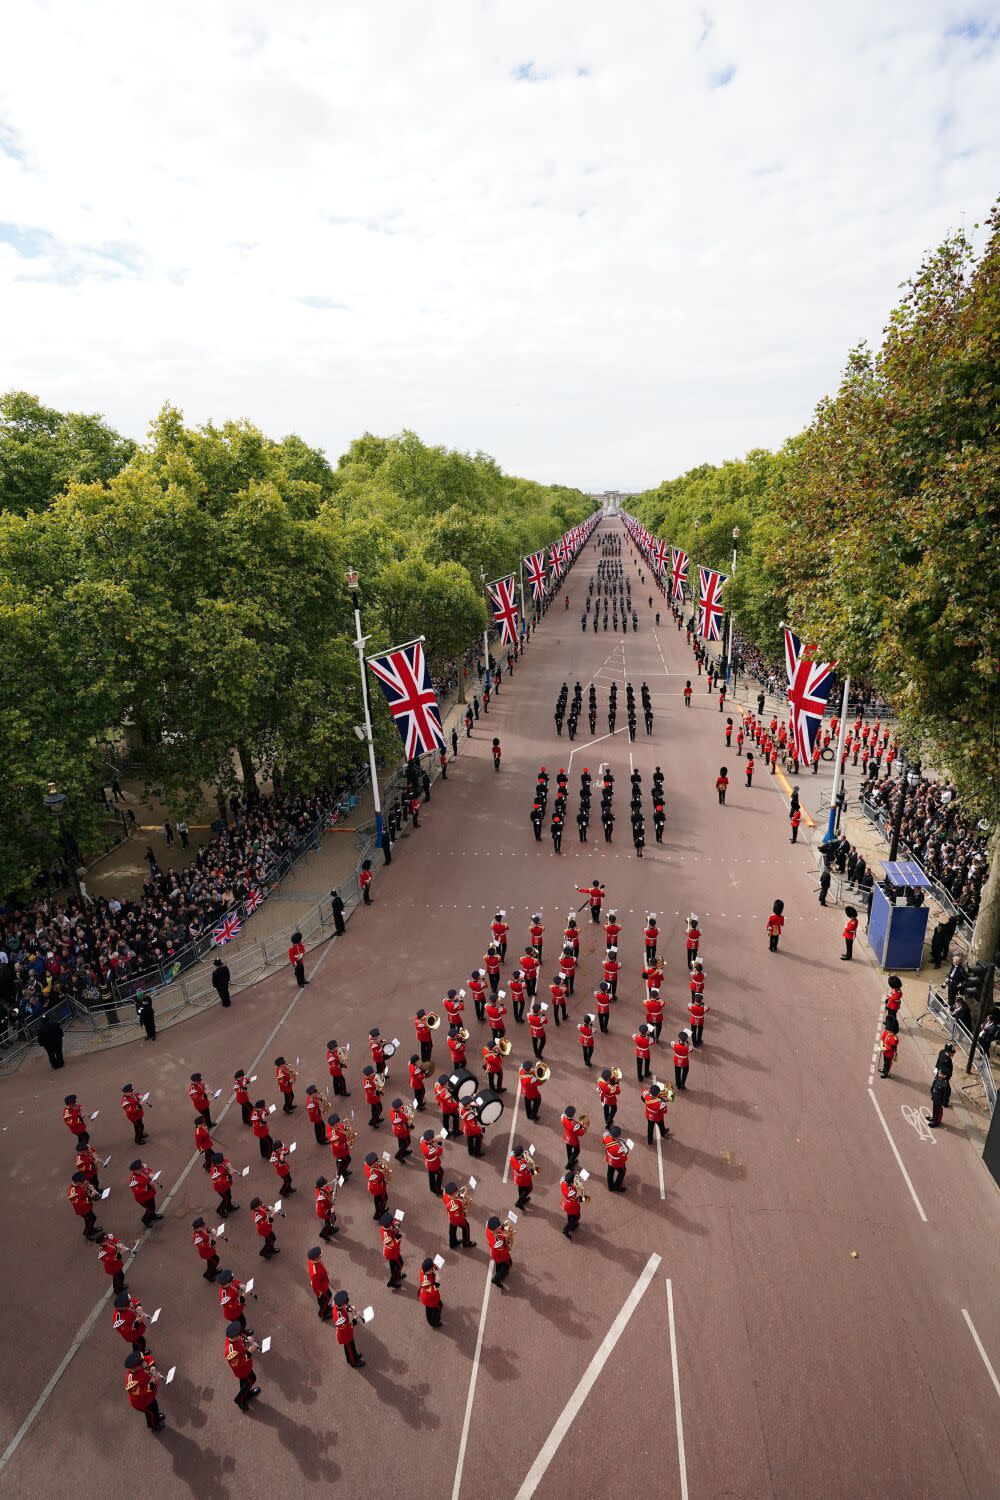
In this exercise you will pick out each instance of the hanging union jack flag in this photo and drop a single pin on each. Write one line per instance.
(658, 554)
(809, 684)
(405, 680)
(504, 603)
(678, 574)
(556, 559)
(253, 900)
(230, 928)
(535, 568)
(710, 610)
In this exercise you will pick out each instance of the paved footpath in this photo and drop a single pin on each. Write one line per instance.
(795, 1296)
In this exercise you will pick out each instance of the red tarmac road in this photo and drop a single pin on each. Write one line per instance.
(800, 1370)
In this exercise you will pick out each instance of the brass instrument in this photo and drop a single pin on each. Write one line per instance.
(583, 1121)
(427, 1069)
(432, 1020)
(387, 1170)
(341, 1056)
(509, 1233)
(584, 1197)
(531, 1164)
(504, 1046)
(326, 1104)
(463, 1035)
(293, 1073)
(407, 1114)
(464, 1195)
(616, 1075)
(379, 1082)
(352, 1135)
(543, 1072)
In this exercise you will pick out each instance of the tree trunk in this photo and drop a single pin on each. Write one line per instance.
(250, 787)
(461, 683)
(220, 799)
(986, 934)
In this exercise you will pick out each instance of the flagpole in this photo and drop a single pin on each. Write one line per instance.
(522, 598)
(838, 774)
(486, 632)
(360, 641)
(729, 646)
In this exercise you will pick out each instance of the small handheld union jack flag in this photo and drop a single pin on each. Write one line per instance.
(678, 574)
(809, 684)
(534, 565)
(501, 594)
(230, 928)
(710, 610)
(405, 680)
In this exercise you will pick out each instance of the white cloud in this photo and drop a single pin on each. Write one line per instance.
(602, 244)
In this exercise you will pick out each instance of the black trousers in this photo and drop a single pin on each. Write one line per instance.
(269, 1246)
(451, 1124)
(642, 1067)
(680, 1076)
(531, 1108)
(602, 1020)
(245, 1394)
(572, 1155)
(453, 1231)
(395, 1272)
(319, 1130)
(211, 1266)
(696, 1032)
(380, 1203)
(324, 1304)
(300, 973)
(352, 1355)
(475, 1144)
(153, 1415)
(501, 1270)
(435, 1181)
(340, 1087)
(289, 1103)
(651, 1126)
(138, 1131)
(616, 1179)
(245, 1111)
(495, 1081)
(588, 1053)
(849, 947)
(224, 995)
(772, 942)
(538, 1044)
(266, 1146)
(434, 1315)
(610, 1110)
(55, 1054)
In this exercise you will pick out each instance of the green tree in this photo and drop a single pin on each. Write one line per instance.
(42, 450)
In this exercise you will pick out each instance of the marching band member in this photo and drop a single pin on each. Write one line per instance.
(340, 1145)
(335, 1062)
(472, 1130)
(692, 938)
(610, 968)
(518, 994)
(536, 936)
(143, 1190)
(602, 999)
(523, 1171)
(616, 1157)
(432, 1151)
(141, 1385)
(232, 1299)
(377, 1176)
(456, 1203)
(655, 1105)
(557, 992)
(198, 1094)
(682, 1059)
(500, 930)
(203, 1142)
(129, 1320)
(696, 1013)
(82, 1195)
(643, 1042)
(571, 1201)
(326, 1197)
(491, 958)
(529, 968)
(392, 1249)
(609, 1090)
(345, 1321)
(453, 1006)
(88, 1162)
(586, 1034)
(574, 1131)
(571, 937)
(456, 1046)
(493, 1066)
(653, 1007)
(279, 1161)
(222, 1182)
(377, 1051)
(430, 1292)
(595, 897)
(204, 1242)
(241, 1093)
(425, 1039)
(495, 1012)
(264, 1224)
(653, 975)
(240, 1349)
(400, 1123)
(112, 1257)
(447, 1104)
(651, 936)
(373, 1094)
(530, 1090)
(73, 1116)
(612, 930)
(134, 1113)
(567, 971)
(286, 1076)
(314, 1113)
(260, 1124)
(418, 1081)
(477, 989)
(498, 1237)
(537, 1022)
(319, 1280)
(696, 984)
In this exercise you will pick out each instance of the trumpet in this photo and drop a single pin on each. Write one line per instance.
(543, 1072)
(387, 1170)
(433, 1020)
(293, 1073)
(504, 1046)
(616, 1075)
(352, 1135)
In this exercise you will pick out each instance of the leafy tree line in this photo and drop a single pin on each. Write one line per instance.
(877, 530)
(192, 589)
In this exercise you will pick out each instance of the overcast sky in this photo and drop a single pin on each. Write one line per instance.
(602, 242)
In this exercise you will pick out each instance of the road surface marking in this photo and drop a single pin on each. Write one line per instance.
(587, 1381)
(681, 1459)
(659, 1163)
(95, 1313)
(918, 1120)
(895, 1152)
(982, 1351)
(510, 1139)
(460, 1464)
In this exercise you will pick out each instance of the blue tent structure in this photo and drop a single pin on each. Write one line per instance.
(896, 932)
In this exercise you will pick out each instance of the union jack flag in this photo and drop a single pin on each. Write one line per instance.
(502, 598)
(535, 565)
(405, 680)
(678, 574)
(230, 928)
(710, 609)
(253, 900)
(809, 684)
(556, 559)
(658, 554)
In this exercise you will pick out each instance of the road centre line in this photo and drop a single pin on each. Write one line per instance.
(681, 1457)
(982, 1351)
(895, 1152)
(464, 1441)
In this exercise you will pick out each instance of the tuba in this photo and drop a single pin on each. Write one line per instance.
(504, 1046)
(616, 1075)
(433, 1020)
(542, 1072)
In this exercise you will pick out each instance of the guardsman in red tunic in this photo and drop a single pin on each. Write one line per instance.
(595, 897)
(493, 1066)
(653, 976)
(222, 1182)
(112, 1257)
(263, 1221)
(602, 999)
(609, 1090)
(297, 959)
(491, 958)
(141, 1386)
(448, 1105)
(400, 1124)
(616, 1159)
(279, 1161)
(529, 968)
(477, 989)
(430, 1292)
(682, 1059)
(692, 938)
(571, 1200)
(456, 1046)
(73, 1116)
(425, 1039)
(204, 1242)
(643, 1042)
(378, 1184)
(472, 1130)
(650, 936)
(495, 1012)
(518, 994)
(655, 1107)
(314, 1113)
(198, 1094)
(499, 1248)
(285, 1075)
(432, 1151)
(774, 924)
(377, 1049)
(133, 1111)
(232, 1298)
(373, 1094)
(453, 1006)
(850, 931)
(88, 1162)
(571, 937)
(241, 1093)
(557, 992)
(240, 1349)
(392, 1249)
(892, 1001)
(653, 1006)
(260, 1124)
(585, 1030)
(326, 1212)
(536, 935)
(696, 984)
(335, 1063)
(890, 1046)
(129, 1320)
(537, 1022)
(143, 1190)
(696, 1012)
(500, 931)
(455, 1204)
(417, 1080)
(340, 1145)
(567, 970)
(523, 1172)
(82, 1196)
(530, 1090)
(610, 968)
(574, 1131)
(319, 1280)
(203, 1142)
(345, 1322)
(612, 930)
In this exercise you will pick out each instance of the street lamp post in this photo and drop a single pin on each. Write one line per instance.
(728, 658)
(352, 579)
(55, 805)
(909, 780)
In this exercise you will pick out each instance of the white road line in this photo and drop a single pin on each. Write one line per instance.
(600, 737)
(895, 1152)
(659, 1163)
(510, 1139)
(579, 1396)
(95, 1313)
(681, 1459)
(460, 1464)
(982, 1351)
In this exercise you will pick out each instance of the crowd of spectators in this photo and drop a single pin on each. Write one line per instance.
(81, 948)
(935, 832)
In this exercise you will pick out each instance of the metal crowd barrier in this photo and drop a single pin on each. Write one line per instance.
(963, 1040)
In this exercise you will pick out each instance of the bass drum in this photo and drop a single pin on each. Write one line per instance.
(463, 1085)
(488, 1107)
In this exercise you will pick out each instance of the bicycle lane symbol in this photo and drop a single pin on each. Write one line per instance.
(918, 1120)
